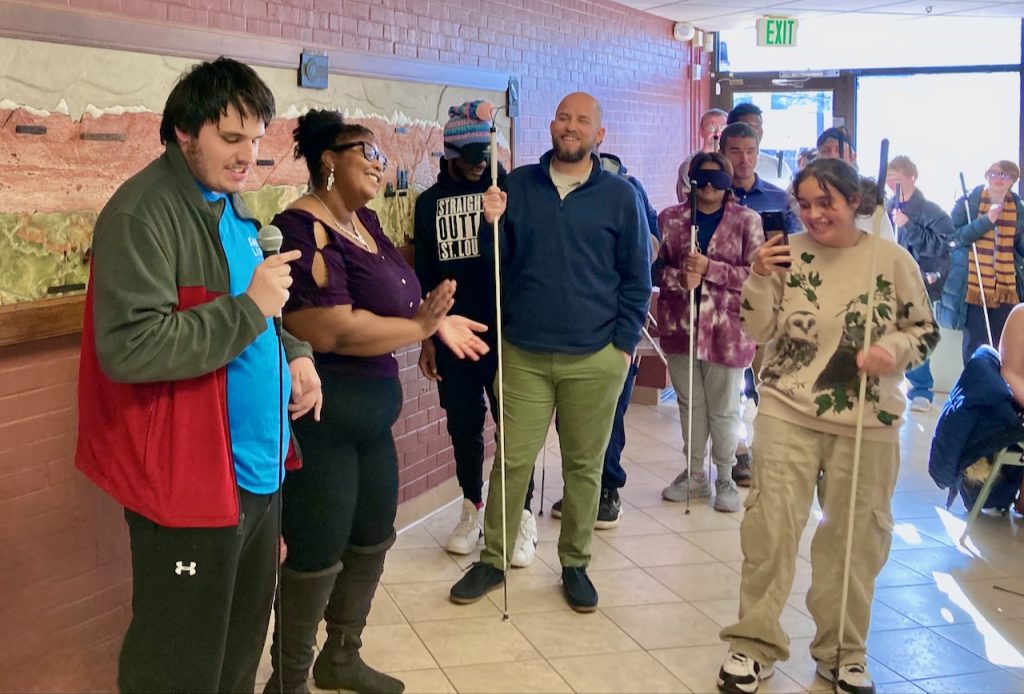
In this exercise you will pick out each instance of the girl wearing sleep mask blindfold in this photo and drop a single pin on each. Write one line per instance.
(718, 180)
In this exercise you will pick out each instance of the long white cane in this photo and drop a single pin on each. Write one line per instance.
(693, 329)
(869, 324)
(500, 390)
(977, 264)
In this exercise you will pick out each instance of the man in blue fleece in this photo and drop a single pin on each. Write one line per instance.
(576, 284)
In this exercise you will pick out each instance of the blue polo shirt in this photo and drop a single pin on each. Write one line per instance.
(256, 407)
(766, 197)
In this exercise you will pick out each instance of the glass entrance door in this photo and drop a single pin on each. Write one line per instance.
(792, 120)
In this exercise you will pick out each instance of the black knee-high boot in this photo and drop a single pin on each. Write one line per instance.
(301, 608)
(339, 666)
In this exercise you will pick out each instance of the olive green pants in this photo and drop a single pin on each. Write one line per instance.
(583, 388)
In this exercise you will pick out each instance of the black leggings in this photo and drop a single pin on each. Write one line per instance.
(347, 490)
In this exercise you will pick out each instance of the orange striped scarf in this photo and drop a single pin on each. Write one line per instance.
(995, 256)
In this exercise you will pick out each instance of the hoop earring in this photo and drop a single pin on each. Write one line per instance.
(330, 180)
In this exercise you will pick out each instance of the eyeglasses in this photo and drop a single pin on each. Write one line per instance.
(999, 175)
(370, 151)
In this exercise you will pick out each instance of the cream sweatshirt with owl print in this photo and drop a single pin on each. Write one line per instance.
(812, 319)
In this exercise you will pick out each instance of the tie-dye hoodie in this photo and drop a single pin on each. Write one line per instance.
(720, 337)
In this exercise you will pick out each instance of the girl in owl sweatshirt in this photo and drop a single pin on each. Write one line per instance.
(807, 300)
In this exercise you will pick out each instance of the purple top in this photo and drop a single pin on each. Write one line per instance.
(381, 282)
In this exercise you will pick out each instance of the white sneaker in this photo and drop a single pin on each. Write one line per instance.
(741, 674)
(700, 487)
(853, 677)
(920, 404)
(469, 533)
(526, 541)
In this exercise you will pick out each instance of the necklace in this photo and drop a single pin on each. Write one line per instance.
(350, 232)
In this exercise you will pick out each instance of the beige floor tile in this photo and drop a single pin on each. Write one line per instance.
(699, 581)
(701, 517)
(395, 648)
(511, 678)
(629, 587)
(602, 555)
(724, 612)
(646, 495)
(563, 634)
(625, 673)
(697, 668)
(474, 641)
(723, 545)
(432, 681)
(665, 626)
(947, 560)
(902, 687)
(412, 565)
(635, 522)
(531, 593)
(428, 601)
(416, 537)
(999, 641)
(926, 605)
(383, 610)
(921, 653)
(997, 682)
(659, 550)
(665, 470)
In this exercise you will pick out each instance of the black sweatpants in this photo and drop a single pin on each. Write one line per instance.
(975, 332)
(461, 391)
(201, 602)
(347, 490)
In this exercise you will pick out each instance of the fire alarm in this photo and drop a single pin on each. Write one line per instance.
(683, 31)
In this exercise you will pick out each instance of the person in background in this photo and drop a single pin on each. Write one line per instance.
(356, 301)
(448, 222)
(181, 415)
(711, 125)
(613, 476)
(991, 238)
(925, 230)
(728, 236)
(806, 156)
(774, 170)
(576, 286)
(806, 301)
(834, 143)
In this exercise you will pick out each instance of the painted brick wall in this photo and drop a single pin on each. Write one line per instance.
(66, 581)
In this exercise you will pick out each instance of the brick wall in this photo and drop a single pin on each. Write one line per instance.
(66, 579)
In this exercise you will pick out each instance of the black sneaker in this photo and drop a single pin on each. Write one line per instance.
(579, 591)
(556, 509)
(479, 581)
(609, 510)
(741, 473)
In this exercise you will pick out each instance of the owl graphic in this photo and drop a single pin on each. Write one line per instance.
(795, 348)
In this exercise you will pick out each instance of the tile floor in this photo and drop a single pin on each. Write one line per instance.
(943, 620)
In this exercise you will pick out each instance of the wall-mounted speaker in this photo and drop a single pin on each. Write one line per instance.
(683, 31)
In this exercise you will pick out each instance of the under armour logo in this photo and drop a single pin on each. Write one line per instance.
(181, 568)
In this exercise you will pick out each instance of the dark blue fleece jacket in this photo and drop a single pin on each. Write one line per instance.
(575, 272)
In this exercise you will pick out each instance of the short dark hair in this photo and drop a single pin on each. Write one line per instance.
(740, 110)
(844, 179)
(316, 131)
(838, 134)
(202, 96)
(737, 130)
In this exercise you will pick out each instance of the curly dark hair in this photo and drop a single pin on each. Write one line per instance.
(316, 132)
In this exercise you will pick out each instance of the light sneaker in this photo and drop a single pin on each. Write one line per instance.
(853, 678)
(700, 487)
(921, 404)
(727, 499)
(526, 541)
(469, 533)
(741, 674)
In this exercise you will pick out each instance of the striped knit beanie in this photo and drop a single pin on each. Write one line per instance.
(468, 124)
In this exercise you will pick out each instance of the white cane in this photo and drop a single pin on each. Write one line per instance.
(869, 324)
(693, 329)
(977, 264)
(500, 390)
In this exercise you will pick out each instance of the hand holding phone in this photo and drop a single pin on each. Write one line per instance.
(774, 223)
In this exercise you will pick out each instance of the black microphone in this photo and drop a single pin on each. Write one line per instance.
(270, 239)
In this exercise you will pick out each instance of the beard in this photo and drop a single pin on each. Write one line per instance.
(569, 156)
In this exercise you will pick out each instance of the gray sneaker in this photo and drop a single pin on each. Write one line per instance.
(727, 499)
(700, 487)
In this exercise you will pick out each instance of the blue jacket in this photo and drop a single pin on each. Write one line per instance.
(953, 304)
(575, 272)
(979, 419)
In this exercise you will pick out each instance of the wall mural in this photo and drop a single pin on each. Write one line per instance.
(76, 122)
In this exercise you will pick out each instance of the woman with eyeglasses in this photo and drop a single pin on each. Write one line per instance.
(988, 240)
(728, 236)
(356, 301)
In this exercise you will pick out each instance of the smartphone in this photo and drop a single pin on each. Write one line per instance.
(774, 222)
